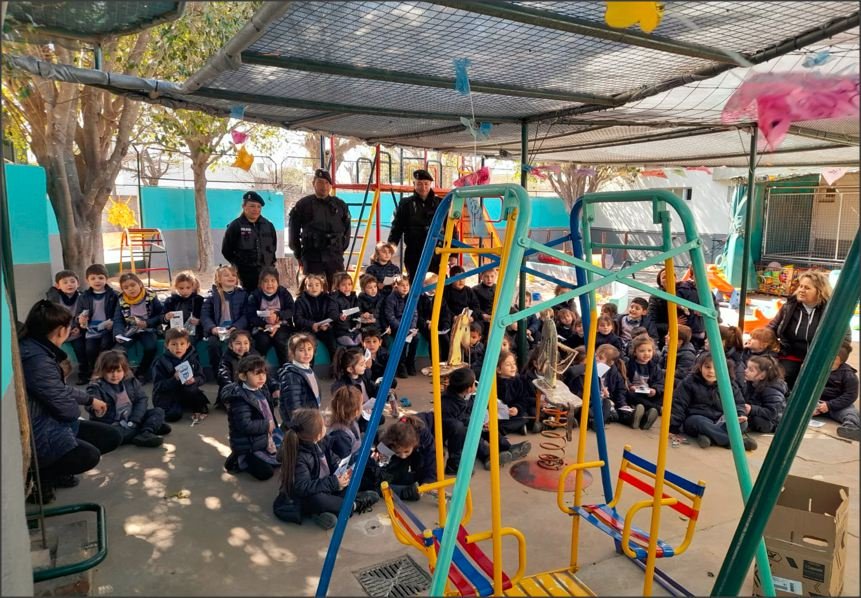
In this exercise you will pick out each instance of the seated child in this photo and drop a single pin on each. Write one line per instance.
(351, 369)
(838, 397)
(686, 355)
(424, 312)
(99, 306)
(251, 421)
(65, 292)
(137, 316)
(764, 394)
(635, 317)
(456, 405)
(611, 385)
(697, 408)
(238, 346)
(606, 334)
(611, 310)
(640, 333)
(381, 266)
(763, 341)
(127, 402)
(732, 347)
(645, 384)
(533, 323)
(458, 296)
(344, 437)
(299, 387)
(393, 309)
(414, 459)
(308, 473)
(570, 304)
(518, 394)
(223, 311)
(484, 292)
(186, 298)
(476, 349)
(345, 327)
(315, 306)
(567, 325)
(370, 300)
(372, 339)
(273, 330)
(168, 392)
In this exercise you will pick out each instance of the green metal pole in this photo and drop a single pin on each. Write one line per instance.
(748, 225)
(6, 242)
(521, 296)
(793, 425)
(728, 404)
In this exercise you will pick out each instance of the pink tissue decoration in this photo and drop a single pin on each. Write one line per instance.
(776, 100)
(239, 137)
(479, 177)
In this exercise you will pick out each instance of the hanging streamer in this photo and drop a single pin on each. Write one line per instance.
(479, 177)
(120, 214)
(832, 174)
(238, 137)
(657, 173)
(478, 131)
(541, 171)
(816, 59)
(244, 159)
(621, 15)
(587, 171)
(776, 100)
(705, 169)
(461, 75)
(237, 112)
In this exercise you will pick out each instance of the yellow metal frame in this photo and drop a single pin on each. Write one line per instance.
(373, 211)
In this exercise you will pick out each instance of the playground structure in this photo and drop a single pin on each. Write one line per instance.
(450, 548)
(370, 212)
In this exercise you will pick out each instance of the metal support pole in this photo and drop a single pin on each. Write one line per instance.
(6, 243)
(790, 433)
(322, 151)
(377, 185)
(97, 57)
(521, 295)
(748, 224)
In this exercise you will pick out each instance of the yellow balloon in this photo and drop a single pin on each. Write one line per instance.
(622, 15)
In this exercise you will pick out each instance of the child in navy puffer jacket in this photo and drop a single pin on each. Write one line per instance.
(764, 394)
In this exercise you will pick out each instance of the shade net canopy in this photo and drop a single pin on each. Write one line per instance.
(89, 20)
(383, 72)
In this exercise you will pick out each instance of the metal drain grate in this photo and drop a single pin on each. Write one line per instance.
(398, 577)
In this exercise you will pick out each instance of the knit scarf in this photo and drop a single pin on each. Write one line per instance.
(135, 300)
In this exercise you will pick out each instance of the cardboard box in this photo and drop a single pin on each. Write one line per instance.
(806, 539)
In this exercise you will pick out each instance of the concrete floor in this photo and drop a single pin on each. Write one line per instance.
(223, 539)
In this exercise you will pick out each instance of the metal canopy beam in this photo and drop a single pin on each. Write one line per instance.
(456, 129)
(550, 20)
(809, 37)
(843, 138)
(317, 118)
(695, 160)
(376, 74)
(344, 109)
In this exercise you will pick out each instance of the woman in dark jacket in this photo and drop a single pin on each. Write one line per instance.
(697, 407)
(764, 394)
(65, 445)
(798, 320)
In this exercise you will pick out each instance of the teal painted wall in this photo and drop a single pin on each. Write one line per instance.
(26, 190)
(171, 209)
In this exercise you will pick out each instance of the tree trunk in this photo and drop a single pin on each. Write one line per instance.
(204, 236)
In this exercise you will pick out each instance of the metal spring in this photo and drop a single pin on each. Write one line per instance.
(549, 460)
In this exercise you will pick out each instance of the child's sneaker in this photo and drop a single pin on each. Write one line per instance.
(704, 441)
(504, 459)
(749, 443)
(651, 416)
(365, 501)
(325, 520)
(639, 411)
(147, 439)
(164, 430)
(849, 432)
(519, 450)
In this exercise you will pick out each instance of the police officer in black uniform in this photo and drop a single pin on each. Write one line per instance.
(320, 229)
(250, 241)
(412, 222)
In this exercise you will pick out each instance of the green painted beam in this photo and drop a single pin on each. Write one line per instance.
(551, 20)
(267, 100)
(800, 405)
(422, 80)
(695, 160)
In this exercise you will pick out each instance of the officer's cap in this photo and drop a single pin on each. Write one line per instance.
(422, 175)
(322, 173)
(253, 196)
